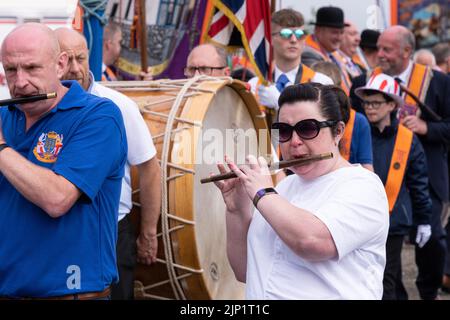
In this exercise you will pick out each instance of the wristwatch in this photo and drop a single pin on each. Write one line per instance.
(3, 146)
(261, 193)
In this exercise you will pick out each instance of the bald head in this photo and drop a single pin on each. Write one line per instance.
(74, 43)
(33, 34)
(68, 38)
(395, 48)
(403, 35)
(351, 39)
(34, 65)
(425, 57)
(208, 55)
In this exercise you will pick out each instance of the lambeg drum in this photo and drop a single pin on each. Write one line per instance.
(194, 123)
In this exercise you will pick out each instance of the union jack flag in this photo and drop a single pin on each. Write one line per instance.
(242, 23)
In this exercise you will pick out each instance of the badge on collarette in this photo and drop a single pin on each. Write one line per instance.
(48, 147)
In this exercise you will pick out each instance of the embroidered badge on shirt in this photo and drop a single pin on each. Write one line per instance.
(48, 147)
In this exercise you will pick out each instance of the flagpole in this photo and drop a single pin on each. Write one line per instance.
(143, 35)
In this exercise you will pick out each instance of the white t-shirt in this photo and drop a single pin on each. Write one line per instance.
(139, 139)
(318, 77)
(352, 203)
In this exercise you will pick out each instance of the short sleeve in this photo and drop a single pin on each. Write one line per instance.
(356, 213)
(139, 139)
(364, 140)
(95, 151)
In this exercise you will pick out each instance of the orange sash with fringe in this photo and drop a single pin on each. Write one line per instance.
(398, 164)
(346, 141)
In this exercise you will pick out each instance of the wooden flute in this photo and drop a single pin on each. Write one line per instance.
(280, 165)
(28, 99)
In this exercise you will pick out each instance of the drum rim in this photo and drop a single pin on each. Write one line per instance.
(188, 180)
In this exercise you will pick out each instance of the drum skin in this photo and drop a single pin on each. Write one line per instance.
(216, 116)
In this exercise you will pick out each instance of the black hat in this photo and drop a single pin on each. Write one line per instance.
(369, 38)
(330, 17)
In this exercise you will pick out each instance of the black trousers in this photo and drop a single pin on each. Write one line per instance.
(126, 261)
(430, 259)
(392, 279)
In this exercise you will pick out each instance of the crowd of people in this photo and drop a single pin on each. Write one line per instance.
(331, 229)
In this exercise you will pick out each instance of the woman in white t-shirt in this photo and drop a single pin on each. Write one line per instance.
(322, 233)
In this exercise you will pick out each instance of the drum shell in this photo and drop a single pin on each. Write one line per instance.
(183, 191)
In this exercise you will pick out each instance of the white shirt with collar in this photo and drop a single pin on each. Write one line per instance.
(404, 76)
(290, 75)
(318, 77)
(139, 139)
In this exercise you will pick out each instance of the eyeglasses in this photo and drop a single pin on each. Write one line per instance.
(287, 33)
(372, 104)
(207, 71)
(306, 129)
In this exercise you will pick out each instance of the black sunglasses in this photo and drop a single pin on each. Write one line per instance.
(306, 129)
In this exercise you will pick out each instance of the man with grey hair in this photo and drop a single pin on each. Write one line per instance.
(207, 59)
(349, 48)
(425, 57)
(395, 49)
(441, 52)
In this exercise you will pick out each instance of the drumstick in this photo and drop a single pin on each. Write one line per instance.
(37, 97)
(420, 104)
(280, 165)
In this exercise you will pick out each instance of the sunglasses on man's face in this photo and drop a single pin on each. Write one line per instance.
(287, 33)
(306, 129)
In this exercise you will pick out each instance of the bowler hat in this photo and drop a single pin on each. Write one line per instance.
(330, 17)
(369, 38)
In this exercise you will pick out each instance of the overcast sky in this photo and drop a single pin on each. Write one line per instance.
(34, 8)
(364, 13)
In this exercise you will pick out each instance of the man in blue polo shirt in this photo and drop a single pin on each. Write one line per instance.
(61, 165)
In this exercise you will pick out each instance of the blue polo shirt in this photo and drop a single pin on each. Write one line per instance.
(82, 139)
(361, 147)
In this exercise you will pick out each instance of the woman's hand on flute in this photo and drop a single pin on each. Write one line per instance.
(233, 191)
(254, 176)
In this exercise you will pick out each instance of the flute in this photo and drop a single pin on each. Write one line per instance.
(28, 99)
(280, 165)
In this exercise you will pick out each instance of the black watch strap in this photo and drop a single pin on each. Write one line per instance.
(3, 146)
(261, 193)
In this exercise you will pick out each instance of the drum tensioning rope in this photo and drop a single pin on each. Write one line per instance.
(177, 289)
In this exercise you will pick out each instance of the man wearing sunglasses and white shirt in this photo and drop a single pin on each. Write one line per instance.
(288, 43)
